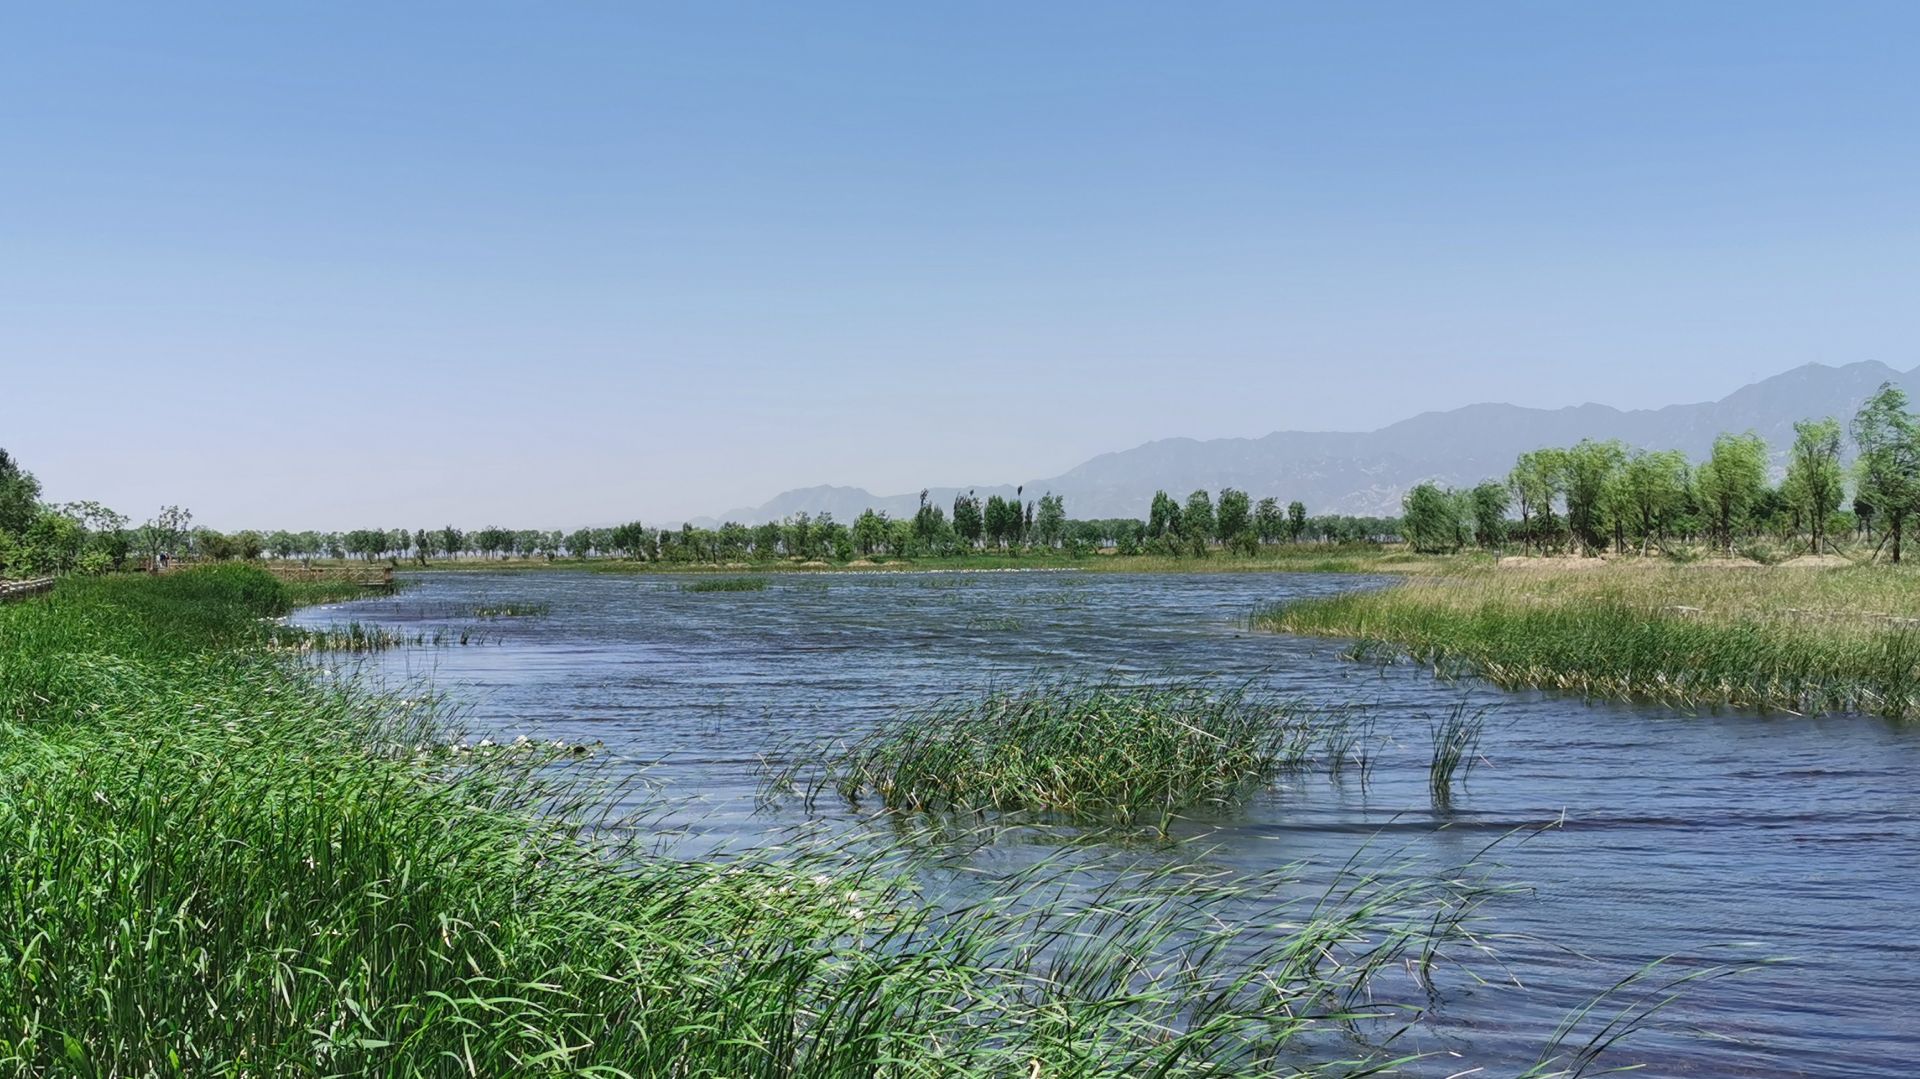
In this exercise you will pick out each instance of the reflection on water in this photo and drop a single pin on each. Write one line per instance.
(1728, 837)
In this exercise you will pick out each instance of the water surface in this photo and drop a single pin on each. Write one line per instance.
(1713, 838)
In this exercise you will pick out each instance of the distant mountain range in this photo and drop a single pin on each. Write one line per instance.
(1367, 472)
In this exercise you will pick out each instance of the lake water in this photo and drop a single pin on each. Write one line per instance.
(1713, 838)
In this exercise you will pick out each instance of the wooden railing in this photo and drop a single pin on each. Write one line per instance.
(19, 589)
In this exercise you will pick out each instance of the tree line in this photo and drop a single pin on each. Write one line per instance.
(42, 538)
(996, 523)
(1598, 496)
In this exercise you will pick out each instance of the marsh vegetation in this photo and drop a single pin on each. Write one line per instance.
(1095, 753)
(1805, 640)
(457, 912)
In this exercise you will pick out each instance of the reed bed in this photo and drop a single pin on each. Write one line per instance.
(727, 584)
(214, 863)
(1802, 640)
(1084, 752)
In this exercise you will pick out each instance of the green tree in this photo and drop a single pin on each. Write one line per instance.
(1002, 521)
(1729, 483)
(1269, 521)
(1296, 521)
(1490, 501)
(1651, 491)
(1197, 521)
(869, 531)
(1814, 480)
(1888, 468)
(19, 496)
(1435, 520)
(1233, 521)
(1536, 480)
(967, 521)
(1164, 516)
(928, 521)
(1050, 520)
(163, 533)
(1587, 470)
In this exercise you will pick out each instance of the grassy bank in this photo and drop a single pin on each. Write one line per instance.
(1792, 638)
(215, 863)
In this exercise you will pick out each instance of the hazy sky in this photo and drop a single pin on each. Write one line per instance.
(334, 265)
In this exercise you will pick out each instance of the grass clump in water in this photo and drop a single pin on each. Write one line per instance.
(513, 610)
(1456, 748)
(727, 584)
(1086, 752)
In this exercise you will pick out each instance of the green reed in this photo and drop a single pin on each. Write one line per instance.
(1456, 748)
(1798, 640)
(1087, 752)
(726, 584)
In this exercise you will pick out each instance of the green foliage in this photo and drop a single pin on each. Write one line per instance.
(1729, 483)
(1652, 490)
(1588, 471)
(1436, 520)
(1197, 522)
(1888, 468)
(1163, 516)
(1490, 501)
(1814, 480)
(1537, 479)
(19, 496)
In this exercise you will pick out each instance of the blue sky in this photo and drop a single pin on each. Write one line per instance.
(333, 265)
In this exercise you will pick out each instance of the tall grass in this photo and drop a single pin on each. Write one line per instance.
(213, 863)
(1086, 752)
(1456, 747)
(1797, 639)
(726, 584)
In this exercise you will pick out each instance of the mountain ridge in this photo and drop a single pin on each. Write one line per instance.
(1366, 472)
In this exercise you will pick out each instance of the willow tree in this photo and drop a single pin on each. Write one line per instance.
(1536, 480)
(1587, 470)
(1813, 475)
(1435, 519)
(1489, 502)
(1652, 488)
(1888, 468)
(1730, 482)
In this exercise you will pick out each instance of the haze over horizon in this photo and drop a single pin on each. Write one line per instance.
(338, 267)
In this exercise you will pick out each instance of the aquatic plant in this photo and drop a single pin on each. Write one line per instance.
(1456, 747)
(726, 584)
(1091, 752)
(521, 609)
